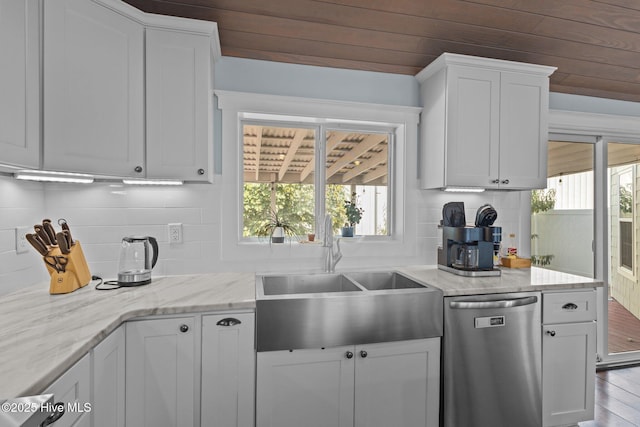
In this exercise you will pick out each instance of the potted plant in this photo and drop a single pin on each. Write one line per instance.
(276, 228)
(354, 215)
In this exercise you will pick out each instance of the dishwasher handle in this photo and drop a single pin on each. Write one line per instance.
(504, 303)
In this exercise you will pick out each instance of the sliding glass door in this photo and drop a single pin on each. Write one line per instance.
(562, 215)
(623, 302)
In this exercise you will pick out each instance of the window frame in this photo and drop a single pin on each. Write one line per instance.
(321, 126)
(398, 249)
(623, 269)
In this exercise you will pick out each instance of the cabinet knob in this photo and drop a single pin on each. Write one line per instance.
(363, 353)
(349, 355)
(570, 306)
(200, 171)
(551, 333)
(184, 328)
(504, 181)
(229, 321)
(495, 181)
(138, 169)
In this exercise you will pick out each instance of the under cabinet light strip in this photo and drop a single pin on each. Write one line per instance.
(50, 176)
(151, 182)
(463, 190)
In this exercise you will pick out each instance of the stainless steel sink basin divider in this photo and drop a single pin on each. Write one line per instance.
(328, 310)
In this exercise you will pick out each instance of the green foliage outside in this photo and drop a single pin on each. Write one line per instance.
(626, 201)
(542, 201)
(295, 207)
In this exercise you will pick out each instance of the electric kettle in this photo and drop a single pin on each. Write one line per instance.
(135, 260)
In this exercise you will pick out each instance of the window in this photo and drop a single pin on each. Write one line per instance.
(284, 177)
(625, 204)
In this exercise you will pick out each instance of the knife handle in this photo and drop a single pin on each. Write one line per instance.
(37, 244)
(67, 232)
(42, 234)
(51, 232)
(63, 243)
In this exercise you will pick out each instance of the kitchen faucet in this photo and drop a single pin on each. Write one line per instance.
(332, 257)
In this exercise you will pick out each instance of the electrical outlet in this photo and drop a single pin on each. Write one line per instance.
(22, 245)
(175, 233)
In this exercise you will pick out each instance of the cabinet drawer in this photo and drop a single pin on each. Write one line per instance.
(73, 389)
(567, 307)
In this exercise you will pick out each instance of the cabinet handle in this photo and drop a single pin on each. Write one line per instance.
(504, 181)
(138, 169)
(184, 328)
(55, 416)
(363, 353)
(349, 355)
(200, 171)
(229, 321)
(495, 181)
(551, 333)
(570, 306)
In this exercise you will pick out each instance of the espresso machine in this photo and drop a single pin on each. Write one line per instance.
(465, 250)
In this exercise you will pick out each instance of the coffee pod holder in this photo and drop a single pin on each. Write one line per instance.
(73, 275)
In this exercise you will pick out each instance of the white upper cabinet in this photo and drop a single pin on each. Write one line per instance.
(127, 93)
(93, 89)
(484, 123)
(20, 83)
(179, 105)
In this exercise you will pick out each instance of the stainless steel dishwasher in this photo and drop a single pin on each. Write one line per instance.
(492, 361)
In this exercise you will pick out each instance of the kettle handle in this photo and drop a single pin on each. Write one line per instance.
(154, 245)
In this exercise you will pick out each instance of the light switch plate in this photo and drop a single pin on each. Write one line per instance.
(22, 245)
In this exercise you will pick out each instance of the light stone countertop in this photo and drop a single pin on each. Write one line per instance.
(511, 280)
(43, 335)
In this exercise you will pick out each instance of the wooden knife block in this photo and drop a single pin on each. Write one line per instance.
(76, 274)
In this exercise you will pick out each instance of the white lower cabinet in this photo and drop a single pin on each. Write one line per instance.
(568, 357)
(109, 381)
(384, 384)
(228, 370)
(73, 389)
(161, 372)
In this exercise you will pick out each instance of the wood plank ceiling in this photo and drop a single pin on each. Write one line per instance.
(594, 43)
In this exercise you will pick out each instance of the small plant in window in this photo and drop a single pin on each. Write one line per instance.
(277, 228)
(354, 215)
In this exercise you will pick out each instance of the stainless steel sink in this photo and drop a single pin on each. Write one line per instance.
(375, 281)
(328, 310)
(307, 284)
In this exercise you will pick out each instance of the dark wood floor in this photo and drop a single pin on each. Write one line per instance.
(617, 398)
(624, 329)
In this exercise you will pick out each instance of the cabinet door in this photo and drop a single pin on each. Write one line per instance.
(473, 127)
(398, 384)
(109, 381)
(93, 89)
(20, 83)
(228, 370)
(179, 109)
(311, 388)
(161, 372)
(73, 389)
(568, 373)
(524, 105)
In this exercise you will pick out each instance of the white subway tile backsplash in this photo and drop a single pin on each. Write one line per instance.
(101, 214)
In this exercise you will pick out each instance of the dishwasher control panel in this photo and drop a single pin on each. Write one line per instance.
(489, 322)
